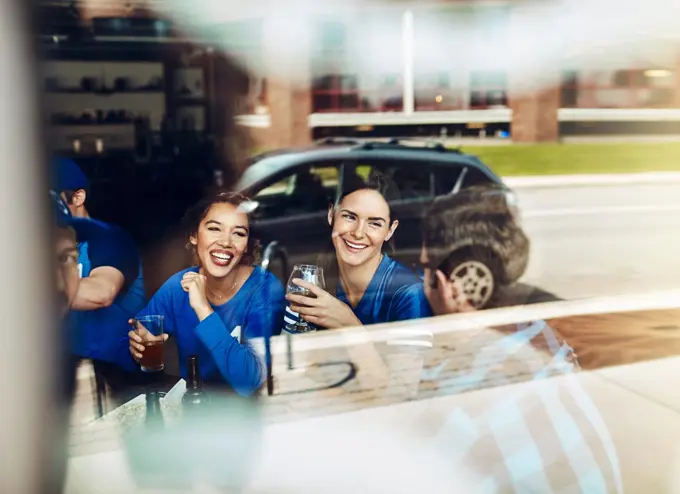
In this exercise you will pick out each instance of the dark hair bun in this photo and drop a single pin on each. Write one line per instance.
(376, 180)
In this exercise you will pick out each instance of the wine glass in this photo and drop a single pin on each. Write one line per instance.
(311, 274)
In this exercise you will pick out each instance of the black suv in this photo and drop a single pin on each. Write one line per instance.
(294, 188)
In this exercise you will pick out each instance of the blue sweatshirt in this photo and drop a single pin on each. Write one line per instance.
(395, 293)
(257, 307)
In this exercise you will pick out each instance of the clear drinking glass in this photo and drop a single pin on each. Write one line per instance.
(311, 274)
(153, 359)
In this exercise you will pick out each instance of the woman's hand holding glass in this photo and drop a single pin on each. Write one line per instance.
(322, 308)
(140, 338)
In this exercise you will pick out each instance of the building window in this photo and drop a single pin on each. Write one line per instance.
(620, 88)
(433, 91)
(243, 40)
(446, 77)
(345, 74)
(488, 90)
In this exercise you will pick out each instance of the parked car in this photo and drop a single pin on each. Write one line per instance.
(293, 189)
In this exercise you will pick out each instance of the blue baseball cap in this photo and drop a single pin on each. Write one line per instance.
(67, 175)
(60, 212)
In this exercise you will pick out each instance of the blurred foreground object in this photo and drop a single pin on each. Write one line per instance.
(28, 357)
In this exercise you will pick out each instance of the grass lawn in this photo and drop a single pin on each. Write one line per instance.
(575, 158)
(559, 159)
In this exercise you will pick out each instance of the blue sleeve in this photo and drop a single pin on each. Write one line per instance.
(238, 363)
(114, 248)
(410, 303)
(265, 316)
(160, 304)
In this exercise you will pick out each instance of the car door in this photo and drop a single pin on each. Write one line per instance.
(414, 180)
(293, 208)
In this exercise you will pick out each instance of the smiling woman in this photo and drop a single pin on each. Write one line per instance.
(369, 287)
(213, 308)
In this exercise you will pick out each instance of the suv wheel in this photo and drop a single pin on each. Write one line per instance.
(478, 276)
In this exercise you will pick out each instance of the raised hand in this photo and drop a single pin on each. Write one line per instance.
(194, 285)
(447, 297)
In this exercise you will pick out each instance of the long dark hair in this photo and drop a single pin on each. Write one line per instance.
(196, 214)
(376, 181)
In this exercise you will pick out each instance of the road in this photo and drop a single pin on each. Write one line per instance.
(602, 240)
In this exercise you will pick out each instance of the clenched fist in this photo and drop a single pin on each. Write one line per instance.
(194, 285)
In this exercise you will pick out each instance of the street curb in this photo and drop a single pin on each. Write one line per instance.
(595, 179)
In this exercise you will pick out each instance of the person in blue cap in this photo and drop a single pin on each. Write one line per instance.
(65, 258)
(67, 280)
(111, 288)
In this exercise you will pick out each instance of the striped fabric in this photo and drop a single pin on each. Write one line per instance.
(523, 433)
(545, 435)
(291, 318)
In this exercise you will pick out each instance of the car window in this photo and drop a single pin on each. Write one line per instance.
(446, 178)
(412, 179)
(278, 187)
(475, 176)
(308, 190)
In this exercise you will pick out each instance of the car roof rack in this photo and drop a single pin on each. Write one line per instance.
(339, 141)
(413, 144)
(409, 144)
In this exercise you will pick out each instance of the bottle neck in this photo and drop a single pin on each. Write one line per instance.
(153, 404)
(194, 382)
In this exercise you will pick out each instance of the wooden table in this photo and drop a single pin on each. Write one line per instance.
(353, 398)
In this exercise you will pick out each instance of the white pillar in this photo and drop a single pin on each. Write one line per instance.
(407, 36)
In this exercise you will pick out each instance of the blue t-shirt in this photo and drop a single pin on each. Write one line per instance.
(96, 333)
(223, 358)
(395, 293)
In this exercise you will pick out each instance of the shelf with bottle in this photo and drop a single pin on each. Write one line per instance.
(103, 86)
(106, 92)
(96, 117)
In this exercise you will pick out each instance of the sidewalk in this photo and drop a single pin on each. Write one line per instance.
(544, 181)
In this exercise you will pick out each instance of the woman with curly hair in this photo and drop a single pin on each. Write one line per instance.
(203, 306)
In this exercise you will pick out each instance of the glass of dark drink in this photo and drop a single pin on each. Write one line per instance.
(150, 328)
(311, 274)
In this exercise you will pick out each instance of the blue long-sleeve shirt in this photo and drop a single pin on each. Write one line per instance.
(257, 308)
(395, 293)
(95, 333)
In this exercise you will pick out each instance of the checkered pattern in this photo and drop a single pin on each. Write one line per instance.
(544, 436)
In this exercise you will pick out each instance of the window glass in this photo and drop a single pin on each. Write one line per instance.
(411, 178)
(446, 177)
(309, 190)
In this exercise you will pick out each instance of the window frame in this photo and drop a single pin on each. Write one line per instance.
(463, 168)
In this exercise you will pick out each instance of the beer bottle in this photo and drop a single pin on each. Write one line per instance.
(154, 416)
(194, 398)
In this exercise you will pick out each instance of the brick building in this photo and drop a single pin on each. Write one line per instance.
(436, 68)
